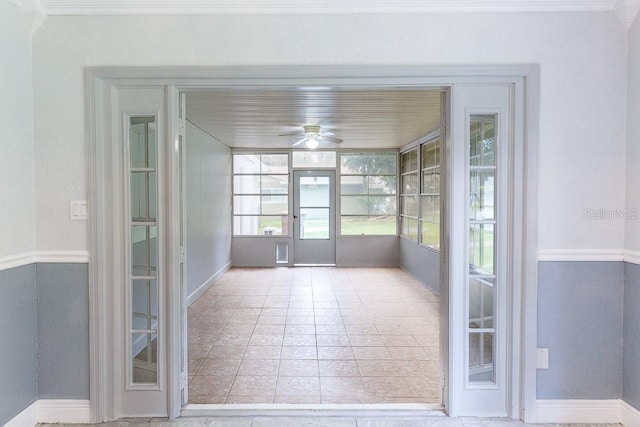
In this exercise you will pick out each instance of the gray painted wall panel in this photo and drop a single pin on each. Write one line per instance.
(421, 262)
(631, 336)
(208, 181)
(18, 374)
(368, 251)
(580, 321)
(63, 331)
(256, 251)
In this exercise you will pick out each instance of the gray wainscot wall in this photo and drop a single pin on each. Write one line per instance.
(18, 332)
(631, 336)
(423, 263)
(44, 314)
(580, 321)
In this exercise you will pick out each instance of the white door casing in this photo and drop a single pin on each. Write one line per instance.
(107, 87)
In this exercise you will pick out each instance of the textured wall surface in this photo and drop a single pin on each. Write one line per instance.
(631, 355)
(18, 376)
(208, 178)
(367, 251)
(421, 262)
(63, 331)
(17, 229)
(580, 317)
(582, 59)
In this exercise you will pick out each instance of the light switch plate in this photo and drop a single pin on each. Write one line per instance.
(542, 358)
(78, 210)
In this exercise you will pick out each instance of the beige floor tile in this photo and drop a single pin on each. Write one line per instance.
(330, 330)
(263, 352)
(264, 319)
(371, 353)
(368, 340)
(299, 352)
(338, 368)
(253, 385)
(259, 367)
(300, 329)
(340, 323)
(226, 351)
(408, 353)
(218, 366)
(301, 340)
(333, 341)
(298, 368)
(266, 339)
(298, 386)
(248, 399)
(210, 388)
(335, 353)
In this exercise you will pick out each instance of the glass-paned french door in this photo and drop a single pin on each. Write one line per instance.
(482, 126)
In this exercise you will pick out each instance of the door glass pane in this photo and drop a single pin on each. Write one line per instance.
(314, 223)
(143, 250)
(482, 283)
(482, 141)
(481, 363)
(482, 194)
(481, 303)
(145, 358)
(481, 248)
(314, 191)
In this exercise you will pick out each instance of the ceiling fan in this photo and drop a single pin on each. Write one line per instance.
(311, 137)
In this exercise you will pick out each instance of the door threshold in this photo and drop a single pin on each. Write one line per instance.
(314, 265)
(330, 410)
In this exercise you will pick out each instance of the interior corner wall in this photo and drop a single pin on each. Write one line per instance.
(421, 262)
(208, 182)
(18, 328)
(17, 227)
(631, 336)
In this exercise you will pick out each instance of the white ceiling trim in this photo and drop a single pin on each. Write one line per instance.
(180, 7)
(627, 10)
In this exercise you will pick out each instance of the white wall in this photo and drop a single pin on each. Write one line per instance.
(17, 232)
(208, 181)
(632, 232)
(583, 81)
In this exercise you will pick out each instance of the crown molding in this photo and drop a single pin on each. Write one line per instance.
(36, 14)
(179, 7)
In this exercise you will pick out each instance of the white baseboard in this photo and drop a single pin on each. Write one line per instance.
(64, 411)
(193, 297)
(629, 416)
(27, 418)
(578, 411)
(53, 411)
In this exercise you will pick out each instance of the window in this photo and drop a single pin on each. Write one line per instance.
(409, 194)
(430, 194)
(260, 194)
(368, 194)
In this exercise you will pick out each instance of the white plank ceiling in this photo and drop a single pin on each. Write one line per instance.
(364, 119)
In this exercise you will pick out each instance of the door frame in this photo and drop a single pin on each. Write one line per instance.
(331, 173)
(101, 88)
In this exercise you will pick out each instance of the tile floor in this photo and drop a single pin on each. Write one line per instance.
(315, 335)
(317, 421)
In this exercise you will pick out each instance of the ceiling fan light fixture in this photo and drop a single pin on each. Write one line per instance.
(312, 142)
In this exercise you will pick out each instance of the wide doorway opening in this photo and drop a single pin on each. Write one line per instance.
(327, 203)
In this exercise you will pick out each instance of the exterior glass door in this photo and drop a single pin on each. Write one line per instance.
(314, 218)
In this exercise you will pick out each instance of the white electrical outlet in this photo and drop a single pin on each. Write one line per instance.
(542, 358)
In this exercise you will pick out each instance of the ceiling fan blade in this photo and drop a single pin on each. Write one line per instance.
(291, 134)
(332, 139)
(328, 132)
(299, 142)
